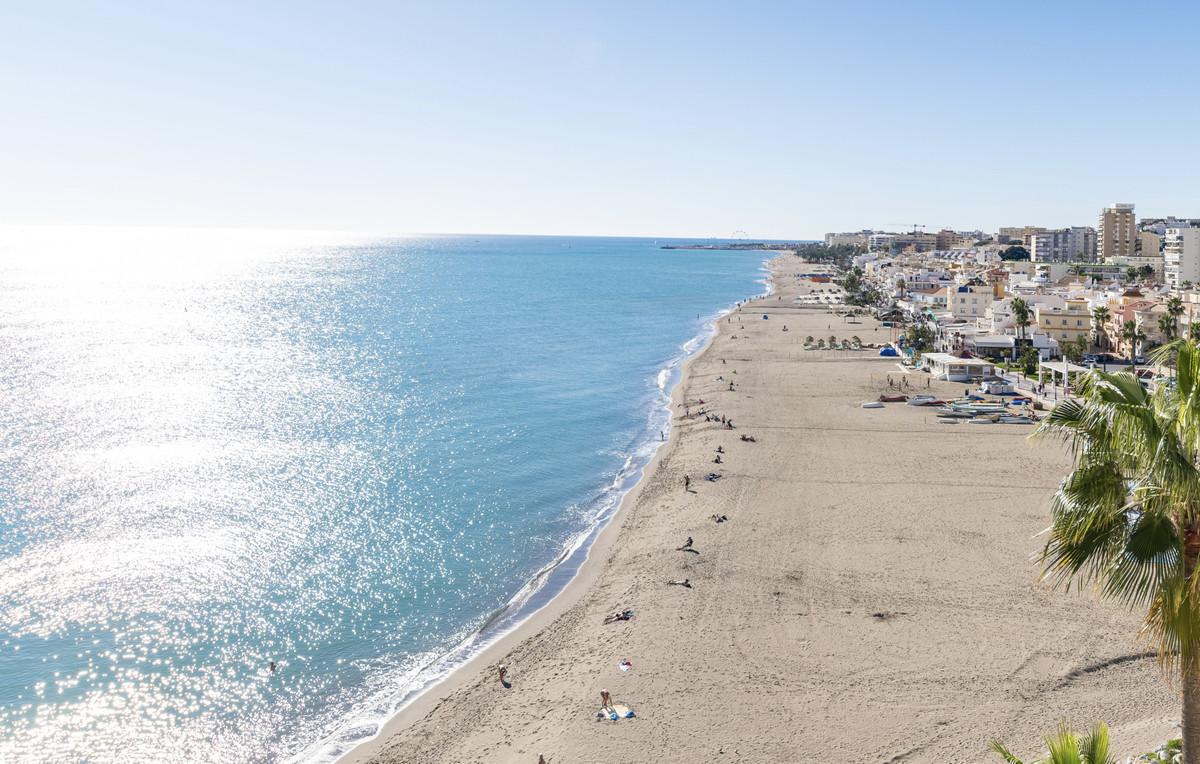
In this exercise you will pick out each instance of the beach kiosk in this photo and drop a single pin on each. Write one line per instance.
(954, 369)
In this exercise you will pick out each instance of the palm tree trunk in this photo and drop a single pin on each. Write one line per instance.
(1190, 678)
(1191, 718)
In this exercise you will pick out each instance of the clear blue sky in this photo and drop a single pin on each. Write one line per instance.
(690, 118)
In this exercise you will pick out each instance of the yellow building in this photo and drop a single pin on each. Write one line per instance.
(1067, 324)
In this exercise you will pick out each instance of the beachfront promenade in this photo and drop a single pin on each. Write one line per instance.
(869, 595)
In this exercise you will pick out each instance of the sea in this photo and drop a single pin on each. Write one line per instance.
(259, 489)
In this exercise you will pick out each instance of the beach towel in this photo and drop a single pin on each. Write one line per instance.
(617, 711)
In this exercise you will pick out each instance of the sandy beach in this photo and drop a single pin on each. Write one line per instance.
(872, 597)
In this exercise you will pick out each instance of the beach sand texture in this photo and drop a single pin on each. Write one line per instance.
(872, 597)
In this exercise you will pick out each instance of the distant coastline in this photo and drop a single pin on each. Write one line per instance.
(754, 246)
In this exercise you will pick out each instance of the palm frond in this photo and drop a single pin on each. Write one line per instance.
(1005, 754)
(1096, 749)
(1064, 746)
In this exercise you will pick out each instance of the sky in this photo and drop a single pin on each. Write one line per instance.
(782, 120)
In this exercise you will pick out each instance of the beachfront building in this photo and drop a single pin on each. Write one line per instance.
(954, 369)
(994, 347)
(1181, 256)
(970, 300)
(924, 280)
(998, 318)
(1061, 245)
(1117, 233)
(923, 301)
(1070, 323)
(857, 239)
(902, 242)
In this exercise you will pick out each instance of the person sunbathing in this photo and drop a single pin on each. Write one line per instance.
(685, 583)
(623, 615)
(686, 545)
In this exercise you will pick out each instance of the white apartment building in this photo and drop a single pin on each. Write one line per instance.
(1117, 233)
(1061, 245)
(1181, 256)
(969, 300)
(859, 239)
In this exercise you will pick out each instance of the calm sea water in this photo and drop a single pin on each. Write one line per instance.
(359, 459)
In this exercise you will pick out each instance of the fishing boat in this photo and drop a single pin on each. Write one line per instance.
(1020, 419)
(925, 400)
(872, 405)
(954, 413)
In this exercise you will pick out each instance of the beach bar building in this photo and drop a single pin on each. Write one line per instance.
(954, 369)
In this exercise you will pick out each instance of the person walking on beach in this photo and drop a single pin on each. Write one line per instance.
(687, 482)
(503, 675)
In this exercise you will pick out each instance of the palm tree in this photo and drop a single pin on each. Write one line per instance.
(1021, 313)
(1066, 747)
(1167, 325)
(1174, 310)
(1127, 518)
(1133, 334)
(1099, 322)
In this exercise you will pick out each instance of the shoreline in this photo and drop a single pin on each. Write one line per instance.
(591, 543)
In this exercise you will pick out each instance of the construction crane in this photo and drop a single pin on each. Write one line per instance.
(917, 226)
